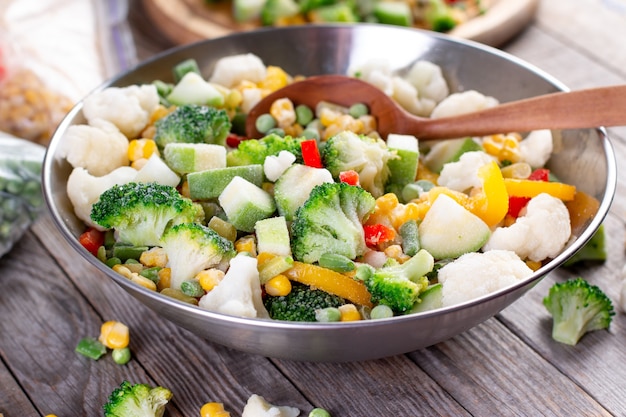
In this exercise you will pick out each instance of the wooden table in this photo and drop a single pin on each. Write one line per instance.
(507, 366)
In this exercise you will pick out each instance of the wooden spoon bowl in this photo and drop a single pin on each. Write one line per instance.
(604, 106)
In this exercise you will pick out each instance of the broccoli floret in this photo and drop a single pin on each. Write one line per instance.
(191, 248)
(140, 212)
(138, 400)
(300, 304)
(254, 151)
(331, 221)
(577, 307)
(192, 123)
(365, 155)
(399, 285)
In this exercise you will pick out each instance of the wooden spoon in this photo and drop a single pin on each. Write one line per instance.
(605, 106)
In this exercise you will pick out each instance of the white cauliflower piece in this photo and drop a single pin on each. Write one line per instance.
(84, 189)
(429, 81)
(156, 170)
(128, 108)
(232, 70)
(409, 98)
(239, 292)
(275, 165)
(249, 98)
(476, 274)
(536, 148)
(541, 231)
(86, 146)
(461, 103)
(463, 174)
(257, 406)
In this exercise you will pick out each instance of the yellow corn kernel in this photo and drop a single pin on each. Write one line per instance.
(141, 149)
(277, 286)
(154, 257)
(263, 257)
(349, 312)
(328, 116)
(368, 124)
(209, 278)
(294, 130)
(283, 112)
(423, 173)
(331, 131)
(395, 252)
(275, 78)
(160, 112)
(246, 244)
(503, 147)
(387, 202)
(534, 265)
(122, 270)
(213, 409)
(165, 278)
(233, 99)
(405, 212)
(139, 163)
(114, 334)
(143, 281)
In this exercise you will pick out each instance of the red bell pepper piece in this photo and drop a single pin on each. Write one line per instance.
(311, 153)
(378, 233)
(349, 177)
(91, 240)
(516, 204)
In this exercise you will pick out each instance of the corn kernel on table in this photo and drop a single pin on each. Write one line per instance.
(507, 366)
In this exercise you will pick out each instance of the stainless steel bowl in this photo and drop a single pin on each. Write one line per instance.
(582, 157)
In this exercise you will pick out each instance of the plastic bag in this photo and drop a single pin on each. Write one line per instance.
(21, 198)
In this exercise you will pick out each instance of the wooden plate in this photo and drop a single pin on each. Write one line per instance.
(186, 21)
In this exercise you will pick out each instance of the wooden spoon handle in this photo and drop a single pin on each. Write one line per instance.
(604, 106)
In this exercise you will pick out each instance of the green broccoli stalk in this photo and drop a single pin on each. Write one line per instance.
(138, 400)
(140, 212)
(399, 285)
(300, 304)
(254, 151)
(577, 307)
(191, 248)
(331, 221)
(367, 156)
(192, 123)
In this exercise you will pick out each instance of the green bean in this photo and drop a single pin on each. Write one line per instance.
(192, 288)
(91, 348)
(410, 237)
(335, 262)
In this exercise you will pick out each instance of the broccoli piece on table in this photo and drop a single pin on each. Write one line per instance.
(399, 285)
(300, 304)
(192, 123)
(140, 212)
(593, 250)
(367, 156)
(191, 248)
(331, 221)
(137, 400)
(577, 307)
(254, 151)
(440, 16)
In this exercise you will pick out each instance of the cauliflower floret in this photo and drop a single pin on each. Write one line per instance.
(257, 406)
(275, 165)
(536, 148)
(476, 274)
(232, 70)
(460, 103)
(408, 97)
(156, 170)
(249, 98)
(128, 108)
(84, 189)
(429, 81)
(540, 233)
(239, 292)
(463, 174)
(99, 147)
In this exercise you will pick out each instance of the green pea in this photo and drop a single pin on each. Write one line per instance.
(358, 109)
(121, 356)
(327, 314)
(319, 412)
(304, 114)
(264, 123)
(381, 311)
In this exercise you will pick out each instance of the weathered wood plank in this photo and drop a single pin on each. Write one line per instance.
(13, 400)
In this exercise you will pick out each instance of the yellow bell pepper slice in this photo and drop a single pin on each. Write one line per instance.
(530, 188)
(330, 281)
(491, 203)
